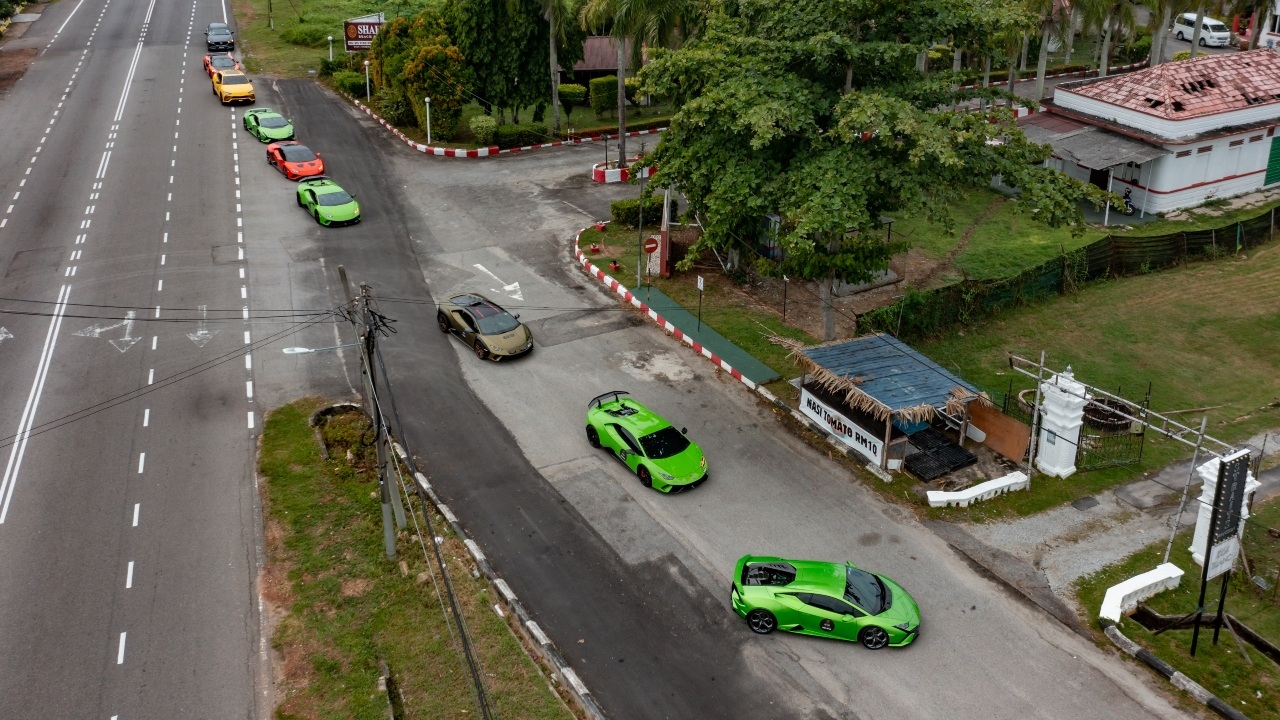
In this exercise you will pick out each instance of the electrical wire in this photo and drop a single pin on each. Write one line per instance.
(177, 377)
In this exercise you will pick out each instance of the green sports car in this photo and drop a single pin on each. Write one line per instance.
(661, 456)
(328, 203)
(825, 599)
(267, 125)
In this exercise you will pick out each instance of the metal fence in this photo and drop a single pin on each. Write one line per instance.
(921, 314)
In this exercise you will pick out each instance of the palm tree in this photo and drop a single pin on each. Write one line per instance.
(1055, 17)
(1113, 17)
(558, 14)
(643, 23)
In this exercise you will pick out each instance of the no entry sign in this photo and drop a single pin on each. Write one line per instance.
(651, 245)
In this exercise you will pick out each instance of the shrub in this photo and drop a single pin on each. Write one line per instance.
(1140, 49)
(484, 128)
(627, 212)
(349, 82)
(306, 36)
(520, 135)
(604, 95)
(1182, 55)
(393, 106)
(632, 87)
(329, 67)
(572, 95)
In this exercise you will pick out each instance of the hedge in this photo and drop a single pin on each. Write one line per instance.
(627, 212)
(349, 82)
(572, 95)
(508, 136)
(483, 129)
(604, 95)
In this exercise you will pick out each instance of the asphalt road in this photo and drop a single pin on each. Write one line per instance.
(128, 520)
(631, 585)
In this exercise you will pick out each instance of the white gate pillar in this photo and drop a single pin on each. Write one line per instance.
(1208, 473)
(1062, 401)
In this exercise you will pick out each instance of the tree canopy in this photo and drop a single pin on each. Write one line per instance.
(816, 112)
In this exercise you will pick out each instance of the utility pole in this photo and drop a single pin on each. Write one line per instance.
(365, 327)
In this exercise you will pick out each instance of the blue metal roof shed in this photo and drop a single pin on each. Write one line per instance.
(885, 377)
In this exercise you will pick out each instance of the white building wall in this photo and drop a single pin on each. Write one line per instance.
(1162, 127)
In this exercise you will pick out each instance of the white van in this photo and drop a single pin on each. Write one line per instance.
(1212, 32)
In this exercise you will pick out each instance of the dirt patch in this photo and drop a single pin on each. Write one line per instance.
(13, 64)
(355, 588)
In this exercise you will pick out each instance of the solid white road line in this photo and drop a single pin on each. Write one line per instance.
(19, 447)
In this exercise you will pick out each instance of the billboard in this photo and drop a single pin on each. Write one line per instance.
(359, 32)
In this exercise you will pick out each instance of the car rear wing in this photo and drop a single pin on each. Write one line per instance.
(611, 396)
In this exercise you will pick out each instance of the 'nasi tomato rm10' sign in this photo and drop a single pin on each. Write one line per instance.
(359, 32)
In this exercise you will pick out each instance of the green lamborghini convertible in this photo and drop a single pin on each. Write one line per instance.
(812, 597)
(267, 125)
(328, 203)
(661, 456)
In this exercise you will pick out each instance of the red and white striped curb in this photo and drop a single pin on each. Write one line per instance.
(1056, 76)
(602, 174)
(662, 322)
(485, 151)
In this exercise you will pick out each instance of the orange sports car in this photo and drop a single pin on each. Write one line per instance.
(213, 62)
(295, 160)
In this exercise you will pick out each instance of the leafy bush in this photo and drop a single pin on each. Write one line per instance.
(349, 82)
(484, 128)
(306, 36)
(604, 95)
(7, 10)
(1182, 55)
(632, 87)
(1140, 49)
(520, 135)
(393, 106)
(627, 212)
(572, 95)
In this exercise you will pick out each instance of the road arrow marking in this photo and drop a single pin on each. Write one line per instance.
(5, 334)
(513, 289)
(122, 344)
(203, 334)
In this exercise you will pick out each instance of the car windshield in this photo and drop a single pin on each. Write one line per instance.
(664, 443)
(1217, 28)
(272, 122)
(235, 80)
(222, 61)
(865, 590)
(334, 198)
(493, 320)
(298, 153)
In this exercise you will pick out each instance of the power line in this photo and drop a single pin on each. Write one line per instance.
(180, 376)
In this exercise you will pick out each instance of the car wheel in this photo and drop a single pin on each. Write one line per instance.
(593, 436)
(1179, 36)
(298, 198)
(645, 479)
(443, 322)
(873, 638)
(1203, 43)
(761, 622)
(481, 351)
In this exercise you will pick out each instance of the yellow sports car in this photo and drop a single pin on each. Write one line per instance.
(232, 86)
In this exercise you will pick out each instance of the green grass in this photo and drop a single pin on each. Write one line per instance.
(748, 327)
(346, 605)
(1220, 669)
(1202, 336)
(265, 51)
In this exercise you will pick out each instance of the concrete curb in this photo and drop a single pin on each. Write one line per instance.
(1056, 76)
(490, 151)
(533, 633)
(1177, 679)
(618, 288)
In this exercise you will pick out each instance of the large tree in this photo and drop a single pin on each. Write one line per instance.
(505, 43)
(791, 108)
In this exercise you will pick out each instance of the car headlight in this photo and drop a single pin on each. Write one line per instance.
(704, 462)
(357, 212)
(904, 627)
(666, 477)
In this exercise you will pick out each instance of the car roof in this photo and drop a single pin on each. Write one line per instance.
(631, 414)
(233, 73)
(811, 575)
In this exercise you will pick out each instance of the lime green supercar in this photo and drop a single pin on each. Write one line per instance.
(825, 599)
(661, 456)
(328, 203)
(267, 125)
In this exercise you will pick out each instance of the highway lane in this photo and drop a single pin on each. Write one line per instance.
(129, 534)
(631, 585)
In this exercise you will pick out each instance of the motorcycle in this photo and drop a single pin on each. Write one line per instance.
(1129, 208)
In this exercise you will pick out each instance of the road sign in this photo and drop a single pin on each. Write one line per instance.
(651, 245)
(1222, 557)
(699, 283)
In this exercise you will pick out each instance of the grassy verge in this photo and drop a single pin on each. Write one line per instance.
(1202, 336)
(345, 606)
(1253, 689)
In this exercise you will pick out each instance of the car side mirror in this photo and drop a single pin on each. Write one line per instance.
(516, 316)
(684, 431)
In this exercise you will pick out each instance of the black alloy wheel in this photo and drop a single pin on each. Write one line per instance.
(873, 638)
(442, 322)
(645, 479)
(593, 436)
(761, 622)
(481, 351)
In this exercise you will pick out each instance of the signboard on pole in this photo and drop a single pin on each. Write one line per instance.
(1233, 472)
(849, 432)
(1222, 557)
(359, 32)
